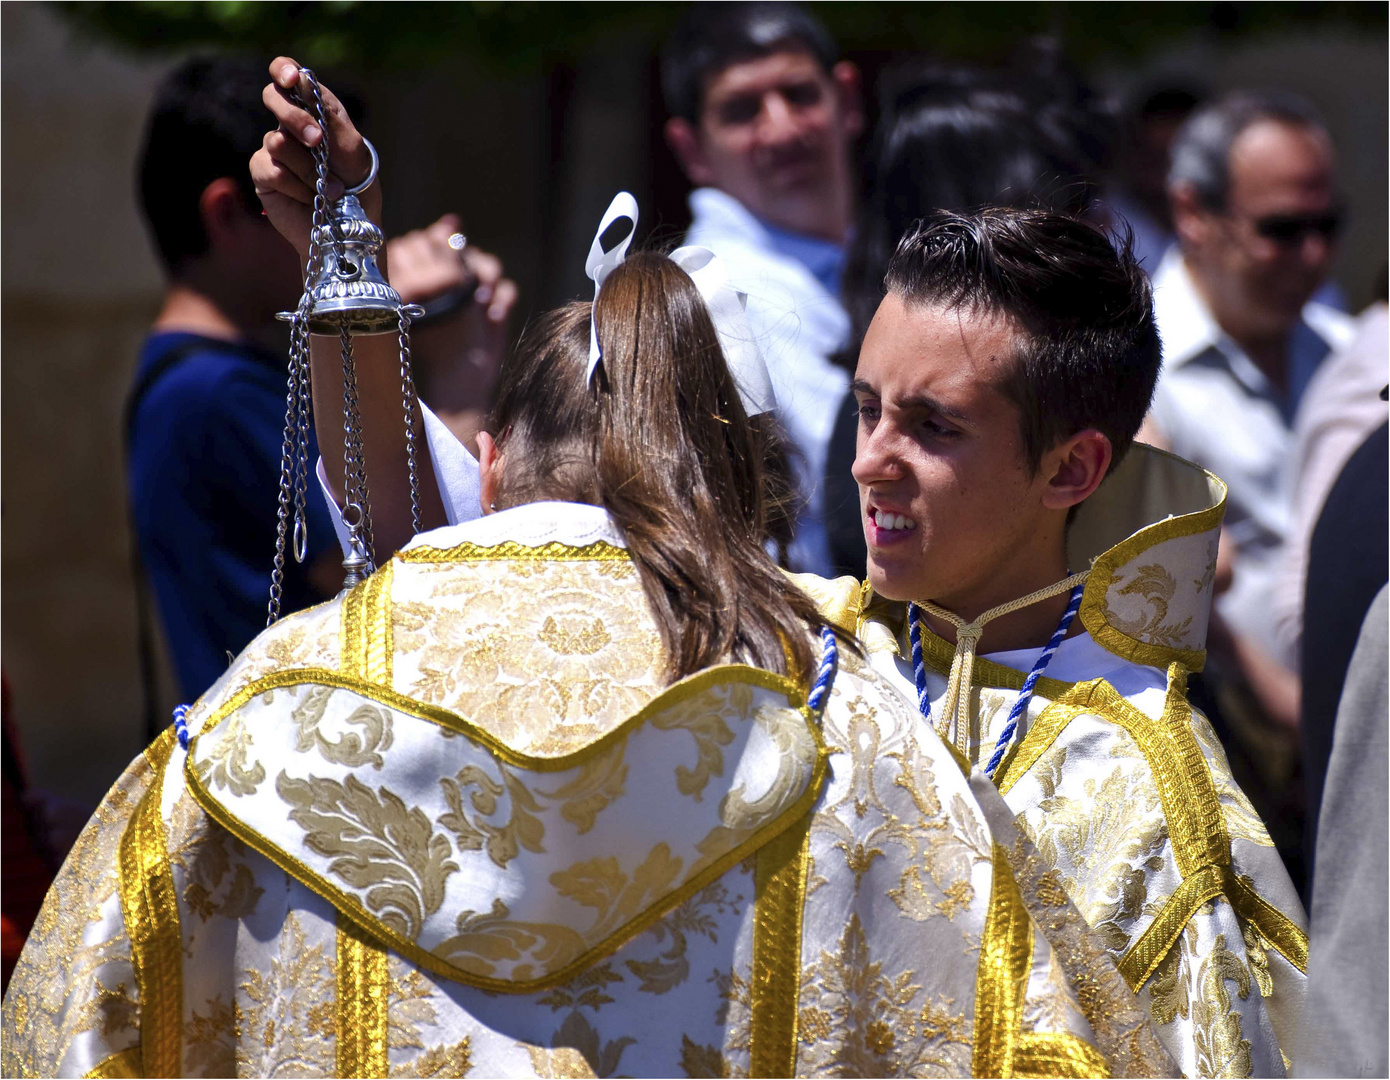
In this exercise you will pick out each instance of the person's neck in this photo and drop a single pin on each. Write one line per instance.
(1267, 350)
(828, 216)
(189, 309)
(1028, 628)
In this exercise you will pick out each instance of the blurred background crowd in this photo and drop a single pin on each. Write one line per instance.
(1241, 147)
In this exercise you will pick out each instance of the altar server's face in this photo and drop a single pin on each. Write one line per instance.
(940, 449)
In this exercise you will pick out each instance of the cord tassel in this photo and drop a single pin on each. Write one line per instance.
(955, 707)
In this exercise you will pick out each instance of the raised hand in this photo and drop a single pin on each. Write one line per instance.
(283, 169)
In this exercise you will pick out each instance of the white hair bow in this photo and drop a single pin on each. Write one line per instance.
(726, 305)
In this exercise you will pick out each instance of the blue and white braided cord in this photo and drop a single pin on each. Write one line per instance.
(180, 726)
(1026, 694)
(825, 674)
(919, 667)
(919, 672)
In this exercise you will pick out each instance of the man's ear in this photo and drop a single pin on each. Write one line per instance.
(684, 142)
(220, 209)
(1191, 218)
(489, 471)
(849, 88)
(1075, 469)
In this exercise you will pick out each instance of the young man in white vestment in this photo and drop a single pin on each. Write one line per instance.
(582, 786)
(1040, 587)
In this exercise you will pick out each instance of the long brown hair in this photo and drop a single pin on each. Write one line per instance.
(661, 441)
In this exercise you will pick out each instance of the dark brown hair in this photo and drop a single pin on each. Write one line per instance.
(659, 439)
(1088, 348)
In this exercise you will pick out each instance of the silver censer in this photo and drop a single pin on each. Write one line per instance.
(345, 295)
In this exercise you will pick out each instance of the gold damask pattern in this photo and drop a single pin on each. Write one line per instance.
(75, 977)
(1121, 1027)
(413, 1011)
(285, 1016)
(917, 857)
(1165, 635)
(548, 666)
(1191, 985)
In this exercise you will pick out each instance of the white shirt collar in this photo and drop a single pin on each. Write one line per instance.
(531, 524)
(1188, 328)
(720, 212)
(1185, 323)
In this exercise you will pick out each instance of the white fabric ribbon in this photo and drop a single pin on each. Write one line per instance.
(609, 249)
(726, 305)
(727, 310)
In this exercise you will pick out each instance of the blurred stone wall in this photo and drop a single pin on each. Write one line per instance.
(529, 162)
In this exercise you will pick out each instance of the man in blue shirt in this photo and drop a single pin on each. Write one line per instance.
(764, 118)
(207, 414)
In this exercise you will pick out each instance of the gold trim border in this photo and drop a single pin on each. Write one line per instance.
(1057, 1054)
(1142, 958)
(119, 1066)
(1001, 981)
(363, 988)
(1278, 929)
(365, 650)
(149, 905)
(452, 721)
(1191, 807)
(350, 905)
(778, 907)
(600, 550)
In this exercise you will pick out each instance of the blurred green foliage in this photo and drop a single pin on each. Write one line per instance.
(512, 36)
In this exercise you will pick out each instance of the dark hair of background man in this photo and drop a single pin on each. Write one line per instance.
(206, 122)
(712, 36)
(1088, 348)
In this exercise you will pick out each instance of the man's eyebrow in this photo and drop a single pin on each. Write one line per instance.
(925, 401)
(916, 401)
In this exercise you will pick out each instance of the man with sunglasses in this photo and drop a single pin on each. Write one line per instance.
(1253, 192)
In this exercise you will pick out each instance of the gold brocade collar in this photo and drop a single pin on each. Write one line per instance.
(1149, 535)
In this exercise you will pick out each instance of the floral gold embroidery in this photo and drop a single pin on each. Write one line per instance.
(376, 843)
(283, 1014)
(1158, 587)
(352, 749)
(226, 765)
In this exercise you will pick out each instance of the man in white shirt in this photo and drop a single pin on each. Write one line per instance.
(763, 122)
(1252, 187)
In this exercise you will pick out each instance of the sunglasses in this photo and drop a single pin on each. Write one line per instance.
(1291, 229)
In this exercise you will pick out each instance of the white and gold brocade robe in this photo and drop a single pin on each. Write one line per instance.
(456, 824)
(1122, 790)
